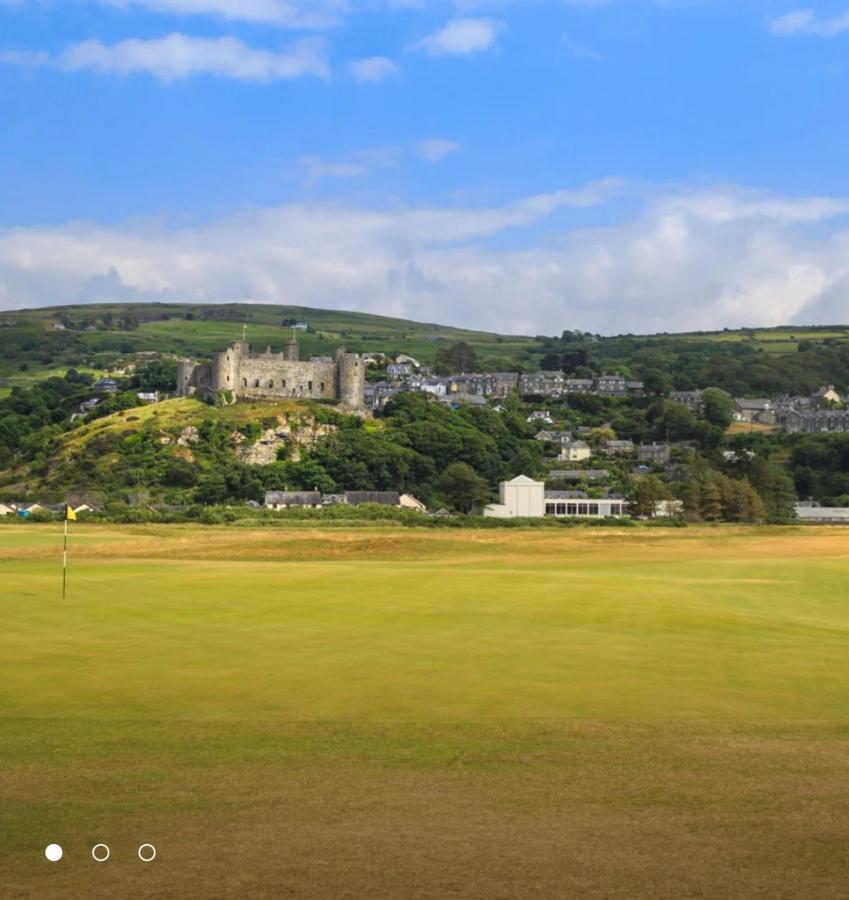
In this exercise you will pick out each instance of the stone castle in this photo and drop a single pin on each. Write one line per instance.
(275, 376)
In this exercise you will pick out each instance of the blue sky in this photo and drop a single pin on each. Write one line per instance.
(629, 165)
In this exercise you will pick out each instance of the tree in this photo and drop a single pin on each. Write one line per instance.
(463, 488)
(647, 494)
(459, 357)
(710, 505)
(658, 382)
(718, 408)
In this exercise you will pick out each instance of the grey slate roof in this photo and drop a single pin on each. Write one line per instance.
(293, 498)
(384, 498)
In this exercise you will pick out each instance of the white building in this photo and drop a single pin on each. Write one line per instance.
(435, 387)
(521, 497)
(575, 451)
(825, 515)
(576, 504)
(525, 498)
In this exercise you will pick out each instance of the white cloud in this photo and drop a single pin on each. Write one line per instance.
(178, 56)
(806, 22)
(436, 149)
(278, 13)
(687, 259)
(372, 69)
(461, 37)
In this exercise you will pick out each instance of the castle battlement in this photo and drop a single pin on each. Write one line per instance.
(250, 375)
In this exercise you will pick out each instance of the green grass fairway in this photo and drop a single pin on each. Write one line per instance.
(377, 713)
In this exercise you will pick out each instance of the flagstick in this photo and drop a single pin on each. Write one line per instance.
(65, 558)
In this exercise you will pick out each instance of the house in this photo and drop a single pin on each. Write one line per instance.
(542, 384)
(754, 411)
(278, 500)
(408, 501)
(408, 360)
(611, 386)
(521, 497)
(301, 326)
(88, 405)
(827, 421)
(106, 386)
(488, 384)
(376, 395)
(382, 498)
(540, 416)
(826, 395)
(576, 504)
(654, 454)
(824, 515)
(589, 475)
(24, 510)
(434, 386)
(399, 370)
(580, 385)
(374, 359)
(693, 400)
(575, 451)
(147, 397)
(7, 509)
(618, 448)
(553, 437)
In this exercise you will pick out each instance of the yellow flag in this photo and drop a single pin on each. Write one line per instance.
(70, 515)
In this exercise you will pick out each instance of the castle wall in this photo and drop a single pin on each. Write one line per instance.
(274, 376)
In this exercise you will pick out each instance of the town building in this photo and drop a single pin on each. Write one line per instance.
(826, 421)
(618, 448)
(693, 400)
(520, 498)
(278, 500)
(575, 451)
(106, 386)
(525, 498)
(542, 384)
(755, 411)
(576, 504)
(823, 515)
(655, 454)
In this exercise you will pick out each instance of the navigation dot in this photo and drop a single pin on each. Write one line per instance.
(53, 852)
(147, 853)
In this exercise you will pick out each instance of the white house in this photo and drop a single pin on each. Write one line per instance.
(435, 387)
(521, 497)
(6, 509)
(575, 451)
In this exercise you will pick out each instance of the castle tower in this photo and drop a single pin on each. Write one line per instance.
(292, 352)
(352, 379)
(185, 369)
(226, 365)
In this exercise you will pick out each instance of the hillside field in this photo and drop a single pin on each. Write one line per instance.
(376, 713)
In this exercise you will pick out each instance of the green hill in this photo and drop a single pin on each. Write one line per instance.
(35, 343)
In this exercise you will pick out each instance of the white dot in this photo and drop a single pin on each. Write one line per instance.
(53, 852)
